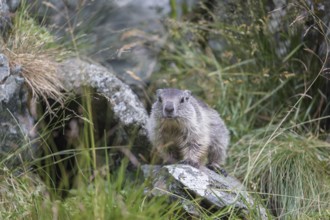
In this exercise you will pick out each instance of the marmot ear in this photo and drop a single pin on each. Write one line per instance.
(158, 92)
(187, 93)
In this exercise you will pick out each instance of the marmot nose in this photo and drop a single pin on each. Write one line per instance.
(169, 108)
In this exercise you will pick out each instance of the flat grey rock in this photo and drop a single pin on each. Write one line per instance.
(214, 189)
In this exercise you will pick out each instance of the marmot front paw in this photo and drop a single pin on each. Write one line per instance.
(191, 163)
(217, 169)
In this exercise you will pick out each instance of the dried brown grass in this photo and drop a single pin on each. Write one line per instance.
(39, 72)
(32, 50)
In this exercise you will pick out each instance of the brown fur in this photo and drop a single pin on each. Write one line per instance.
(184, 129)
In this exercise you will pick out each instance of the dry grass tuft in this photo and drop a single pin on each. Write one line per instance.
(32, 50)
(39, 72)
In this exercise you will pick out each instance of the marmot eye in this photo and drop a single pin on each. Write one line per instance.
(182, 100)
(160, 99)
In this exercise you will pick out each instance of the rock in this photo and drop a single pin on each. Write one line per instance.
(186, 182)
(9, 83)
(5, 20)
(13, 4)
(123, 35)
(16, 124)
(4, 67)
(125, 104)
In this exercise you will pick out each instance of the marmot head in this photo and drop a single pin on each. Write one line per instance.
(173, 103)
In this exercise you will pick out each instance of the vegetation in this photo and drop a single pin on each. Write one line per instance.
(33, 50)
(268, 91)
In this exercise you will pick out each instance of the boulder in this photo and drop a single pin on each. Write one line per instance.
(76, 73)
(17, 133)
(125, 36)
(187, 183)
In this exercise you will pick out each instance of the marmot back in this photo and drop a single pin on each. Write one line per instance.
(184, 129)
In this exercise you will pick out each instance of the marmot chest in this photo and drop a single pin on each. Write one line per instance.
(172, 133)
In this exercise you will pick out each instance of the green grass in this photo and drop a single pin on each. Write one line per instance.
(290, 170)
(106, 197)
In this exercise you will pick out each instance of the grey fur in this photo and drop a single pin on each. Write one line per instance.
(184, 129)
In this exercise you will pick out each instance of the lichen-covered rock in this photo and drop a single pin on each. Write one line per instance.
(4, 67)
(16, 123)
(125, 104)
(214, 189)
